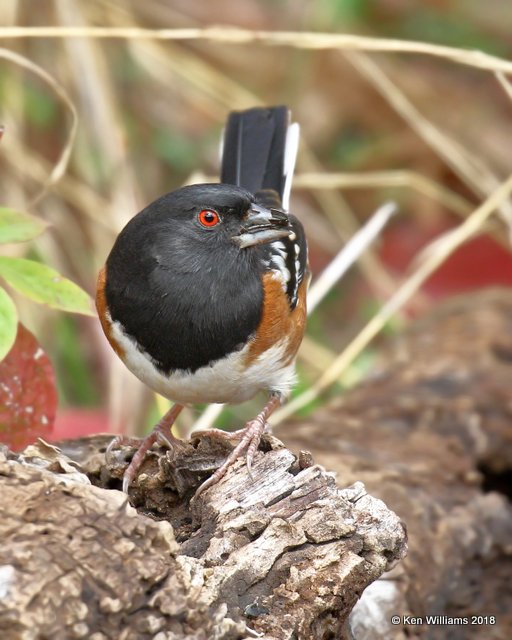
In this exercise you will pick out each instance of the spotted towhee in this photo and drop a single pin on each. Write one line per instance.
(203, 295)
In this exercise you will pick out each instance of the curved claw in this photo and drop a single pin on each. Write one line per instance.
(248, 462)
(126, 483)
(249, 442)
(252, 445)
(164, 441)
(116, 442)
(160, 434)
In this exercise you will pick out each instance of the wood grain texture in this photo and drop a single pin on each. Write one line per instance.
(286, 554)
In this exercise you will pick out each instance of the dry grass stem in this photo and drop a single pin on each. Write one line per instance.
(504, 82)
(460, 235)
(386, 179)
(351, 252)
(469, 167)
(345, 223)
(61, 165)
(317, 356)
(208, 417)
(400, 178)
(75, 192)
(295, 39)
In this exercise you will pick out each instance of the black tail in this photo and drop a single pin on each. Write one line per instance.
(254, 149)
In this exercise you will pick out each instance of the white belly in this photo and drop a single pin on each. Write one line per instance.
(226, 380)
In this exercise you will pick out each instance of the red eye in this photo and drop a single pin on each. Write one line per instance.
(209, 218)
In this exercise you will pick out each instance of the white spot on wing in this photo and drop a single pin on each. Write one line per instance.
(278, 261)
(278, 247)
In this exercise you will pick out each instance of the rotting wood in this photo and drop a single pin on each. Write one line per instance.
(285, 554)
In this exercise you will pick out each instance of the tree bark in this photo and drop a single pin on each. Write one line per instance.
(283, 555)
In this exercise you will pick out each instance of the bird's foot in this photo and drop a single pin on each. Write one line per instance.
(161, 435)
(249, 437)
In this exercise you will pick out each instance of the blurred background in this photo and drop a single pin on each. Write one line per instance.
(430, 134)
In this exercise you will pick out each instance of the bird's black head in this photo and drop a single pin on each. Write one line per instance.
(217, 215)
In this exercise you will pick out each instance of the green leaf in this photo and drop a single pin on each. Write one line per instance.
(43, 284)
(16, 226)
(8, 323)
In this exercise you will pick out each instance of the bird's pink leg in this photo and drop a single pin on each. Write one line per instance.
(161, 434)
(251, 436)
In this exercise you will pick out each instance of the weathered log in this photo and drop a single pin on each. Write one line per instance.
(284, 554)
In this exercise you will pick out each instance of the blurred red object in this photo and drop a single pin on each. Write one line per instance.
(28, 396)
(75, 423)
(481, 262)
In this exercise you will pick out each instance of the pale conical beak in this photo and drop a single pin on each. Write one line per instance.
(261, 226)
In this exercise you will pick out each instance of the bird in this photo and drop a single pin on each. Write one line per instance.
(203, 294)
